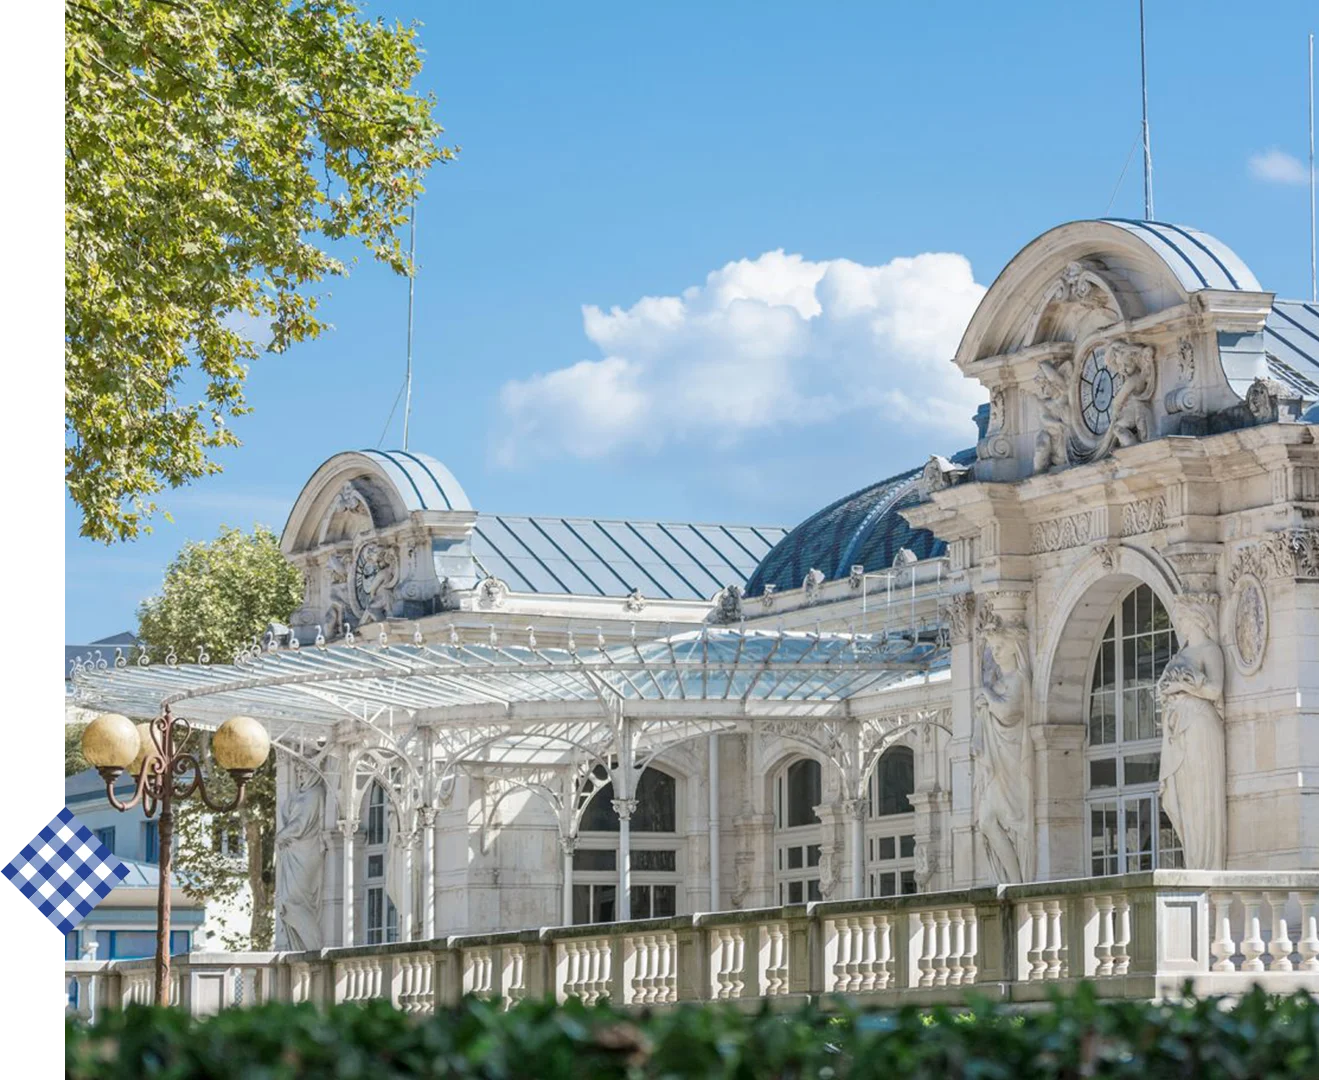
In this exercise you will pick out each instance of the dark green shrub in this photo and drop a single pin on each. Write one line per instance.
(1076, 1036)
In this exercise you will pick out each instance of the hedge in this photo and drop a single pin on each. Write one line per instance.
(1075, 1036)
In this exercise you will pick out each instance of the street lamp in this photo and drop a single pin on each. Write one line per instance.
(156, 754)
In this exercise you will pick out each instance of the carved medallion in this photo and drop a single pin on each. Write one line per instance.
(1250, 623)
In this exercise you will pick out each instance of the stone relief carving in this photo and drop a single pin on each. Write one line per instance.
(1001, 749)
(1193, 764)
(1289, 553)
(727, 605)
(1060, 533)
(1184, 398)
(812, 584)
(743, 864)
(767, 597)
(1250, 623)
(1108, 555)
(375, 577)
(924, 869)
(447, 599)
(1133, 419)
(1053, 392)
(491, 593)
(348, 515)
(336, 569)
(995, 444)
(958, 614)
(1262, 399)
(1143, 516)
(300, 854)
(828, 871)
(634, 601)
(856, 577)
(1075, 285)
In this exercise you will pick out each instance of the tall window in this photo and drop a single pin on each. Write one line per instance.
(891, 831)
(652, 843)
(381, 915)
(106, 836)
(151, 841)
(797, 792)
(1128, 830)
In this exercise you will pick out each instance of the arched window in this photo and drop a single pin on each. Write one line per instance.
(797, 833)
(652, 844)
(1128, 831)
(381, 914)
(891, 831)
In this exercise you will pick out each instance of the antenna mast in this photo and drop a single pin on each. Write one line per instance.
(1145, 122)
(1314, 282)
(412, 289)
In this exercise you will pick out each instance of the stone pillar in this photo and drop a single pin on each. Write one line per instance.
(967, 865)
(714, 822)
(569, 846)
(426, 816)
(349, 830)
(624, 808)
(855, 811)
(1060, 785)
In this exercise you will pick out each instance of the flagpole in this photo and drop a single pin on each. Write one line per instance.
(412, 289)
(1314, 280)
(1145, 122)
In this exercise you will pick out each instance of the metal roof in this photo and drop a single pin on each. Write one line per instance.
(422, 481)
(479, 694)
(1291, 344)
(597, 557)
(1197, 260)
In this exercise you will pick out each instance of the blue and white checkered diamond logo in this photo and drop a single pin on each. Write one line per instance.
(65, 871)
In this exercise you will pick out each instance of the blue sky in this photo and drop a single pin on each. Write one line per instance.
(612, 153)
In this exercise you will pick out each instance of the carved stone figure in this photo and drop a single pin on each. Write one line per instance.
(491, 593)
(1003, 753)
(1133, 419)
(940, 473)
(767, 597)
(375, 578)
(995, 444)
(300, 859)
(634, 601)
(812, 584)
(727, 604)
(1052, 392)
(1193, 765)
(340, 605)
(348, 515)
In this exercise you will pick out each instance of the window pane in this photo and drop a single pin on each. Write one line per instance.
(887, 848)
(664, 901)
(71, 945)
(813, 890)
(130, 944)
(178, 942)
(813, 855)
(106, 837)
(596, 859)
(897, 780)
(657, 803)
(908, 883)
(1140, 769)
(888, 884)
(581, 904)
(1103, 773)
(655, 860)
(604, 906)
(375, 866)
(640, 896)
(1103, 838)
(795, 858)
(907, 846)
(1137, 814)
(803, 792)
(1170, 845)
(375, 913)
(794, 892)
(151, 841)
(599, 814)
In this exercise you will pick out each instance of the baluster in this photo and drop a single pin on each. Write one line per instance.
(665, 974)
(866, 966)
(854, 954)
(942, 922)
(1055, 952)
(1308, 946)
(883, 952)
(737, 977)
(1035, 953)
(1280, 945)
(1121, 935)
(1252, 944)
(843, 953)
(969, 967)
(1103, 936)
(958, 943)
(926, 964)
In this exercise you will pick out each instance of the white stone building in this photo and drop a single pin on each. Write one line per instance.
(1087, 644)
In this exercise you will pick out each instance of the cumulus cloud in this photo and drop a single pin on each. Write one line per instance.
(1278, 167)
(769, 343)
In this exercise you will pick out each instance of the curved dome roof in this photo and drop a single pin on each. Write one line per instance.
(422, 482)
(1198, 260)
(862, 529)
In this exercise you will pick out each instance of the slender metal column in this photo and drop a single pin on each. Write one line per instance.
(349, 829)
(569, 846)
(624, 806)
(856, 809)
(427, 814)
(714, 823)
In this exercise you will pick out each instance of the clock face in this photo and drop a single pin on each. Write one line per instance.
(1098, 385)
(364, 573)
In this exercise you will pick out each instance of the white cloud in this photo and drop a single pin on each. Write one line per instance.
(1278, 167)
(766, 343)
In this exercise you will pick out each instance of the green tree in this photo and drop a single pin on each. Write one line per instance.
(213, 150)
(217, 598)
(74, 762)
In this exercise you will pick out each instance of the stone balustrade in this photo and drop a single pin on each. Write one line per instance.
(1139, 936)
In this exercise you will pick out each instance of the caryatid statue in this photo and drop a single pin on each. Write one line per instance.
(1002, 751)
(1193, 764)
(300, 860)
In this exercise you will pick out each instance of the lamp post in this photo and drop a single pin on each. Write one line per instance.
(156, 754)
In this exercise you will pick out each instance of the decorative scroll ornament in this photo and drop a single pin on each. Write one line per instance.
(727, 605)
(812, 584)
(1075, 286)
(995, 444)
(1184, 397)
(1143, 516)
(1059, 533)
(491, 593)
(624, 808)
(1290, 553)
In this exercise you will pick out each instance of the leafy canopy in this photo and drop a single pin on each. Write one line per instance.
(212, 149)
(216, 598)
